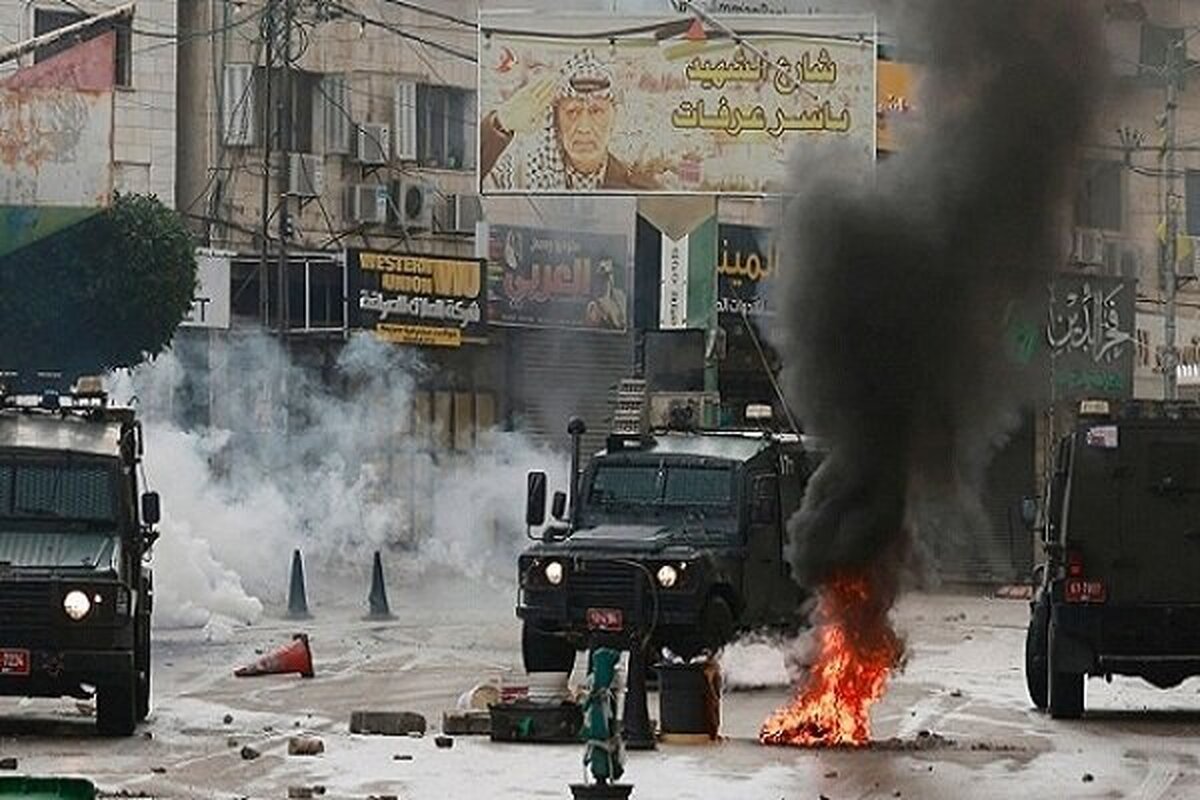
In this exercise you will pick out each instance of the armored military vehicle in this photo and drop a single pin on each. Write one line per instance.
(1119, 590)
(675, 538)
(75, 589)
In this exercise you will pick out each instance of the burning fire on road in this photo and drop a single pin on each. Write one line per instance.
(857, 649)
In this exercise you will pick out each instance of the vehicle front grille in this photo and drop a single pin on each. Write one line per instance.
(602, 584)
(24, 605)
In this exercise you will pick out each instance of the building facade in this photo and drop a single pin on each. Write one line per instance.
(144, 105)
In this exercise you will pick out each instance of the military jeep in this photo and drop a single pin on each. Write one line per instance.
(75, 590)
(1118, 592)
(676, 539)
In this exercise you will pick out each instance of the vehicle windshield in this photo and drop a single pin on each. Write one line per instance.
(74, 495)
(659, 493)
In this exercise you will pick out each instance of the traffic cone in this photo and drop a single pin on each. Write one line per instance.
(377, 600)
(297, 597)
(294, 657)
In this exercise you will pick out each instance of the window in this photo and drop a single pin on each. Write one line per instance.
(331, 114)
(47, 20)
(445, 127)
(1192, 200)
(238, 105)
(1100, 203)
(1155, 42)
(63, 491)
(669, 486)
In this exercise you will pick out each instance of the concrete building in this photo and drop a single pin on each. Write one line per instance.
(144, 113)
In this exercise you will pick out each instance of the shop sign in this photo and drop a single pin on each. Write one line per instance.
(428, 301)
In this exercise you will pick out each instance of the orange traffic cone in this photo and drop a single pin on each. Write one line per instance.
(294, 657)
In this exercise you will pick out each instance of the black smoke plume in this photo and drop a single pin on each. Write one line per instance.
(901, 285)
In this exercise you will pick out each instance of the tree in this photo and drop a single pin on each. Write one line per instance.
(107, 292)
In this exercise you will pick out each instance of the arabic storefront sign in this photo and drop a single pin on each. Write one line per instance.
(1089, 333)
(544, 278)
(419, 300)
(744, 270)
(662, 105)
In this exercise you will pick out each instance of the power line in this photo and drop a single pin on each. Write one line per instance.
(437, 14)
(366, 20)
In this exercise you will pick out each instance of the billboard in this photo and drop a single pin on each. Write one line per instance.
(668, 105)
(428, 301)
(897, 100)
(550, 278)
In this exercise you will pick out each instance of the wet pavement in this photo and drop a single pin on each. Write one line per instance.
(956, 723)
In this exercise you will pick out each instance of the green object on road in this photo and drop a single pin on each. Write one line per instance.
(47, 789)
(604, 753)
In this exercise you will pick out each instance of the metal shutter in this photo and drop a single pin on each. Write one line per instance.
(565, 373)
(997, 548)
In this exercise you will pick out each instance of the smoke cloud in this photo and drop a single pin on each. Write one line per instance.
(900, 284)
(335, 471)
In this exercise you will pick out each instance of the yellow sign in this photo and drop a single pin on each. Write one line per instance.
(422, 335)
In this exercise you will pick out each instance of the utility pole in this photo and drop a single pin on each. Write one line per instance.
(1170, 359)
(286, 141)
(264, 291)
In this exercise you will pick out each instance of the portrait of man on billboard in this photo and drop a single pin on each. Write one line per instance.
(554, 134)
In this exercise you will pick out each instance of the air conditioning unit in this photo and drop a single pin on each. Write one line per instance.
(1088, 247)
(368, 202)
(413, 204)
(460, 213)
(306, 175)
(374, 143)
(1123, 259)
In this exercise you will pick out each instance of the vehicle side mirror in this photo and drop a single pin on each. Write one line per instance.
(535, 499)
(558, 505)
(151, 508)
(1029, 512)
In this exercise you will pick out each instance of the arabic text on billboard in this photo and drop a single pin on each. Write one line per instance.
(418, 300)
(557, 278)
(663, 105)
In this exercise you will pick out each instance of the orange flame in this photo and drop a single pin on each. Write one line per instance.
(858, 649)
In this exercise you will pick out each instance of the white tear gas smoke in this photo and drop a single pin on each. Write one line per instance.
(337, 472)
(900, 285)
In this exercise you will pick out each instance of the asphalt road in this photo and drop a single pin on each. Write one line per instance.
(963, 683)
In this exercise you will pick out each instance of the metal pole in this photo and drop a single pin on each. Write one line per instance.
(285, 142)
(264, 294)
(1169, 278)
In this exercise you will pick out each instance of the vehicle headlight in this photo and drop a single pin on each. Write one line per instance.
(554, 573)
(76, 604)
(667, 576)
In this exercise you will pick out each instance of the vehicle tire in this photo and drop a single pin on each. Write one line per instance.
(116, 706)
(1065, 690)
(545, 652)
(1037, 647)
(141, 665)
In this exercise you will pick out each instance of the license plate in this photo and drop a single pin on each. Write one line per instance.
(14, 662)
(605, 619)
